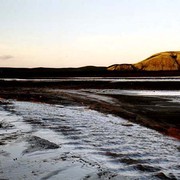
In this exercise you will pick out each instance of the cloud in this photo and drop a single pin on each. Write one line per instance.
(6, 57)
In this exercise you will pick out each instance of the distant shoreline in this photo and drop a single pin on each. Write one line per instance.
(100, 83)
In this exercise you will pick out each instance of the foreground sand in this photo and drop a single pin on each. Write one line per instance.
(35, 144)
(68, 141)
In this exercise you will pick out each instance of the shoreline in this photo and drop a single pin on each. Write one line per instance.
(95, 84)
(153, 112)
(87, 134)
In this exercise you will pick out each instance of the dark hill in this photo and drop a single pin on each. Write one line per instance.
(51, 72)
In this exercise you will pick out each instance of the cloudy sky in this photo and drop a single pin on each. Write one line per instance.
(73, 33)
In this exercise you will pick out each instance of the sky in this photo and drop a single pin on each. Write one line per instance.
(75, 33)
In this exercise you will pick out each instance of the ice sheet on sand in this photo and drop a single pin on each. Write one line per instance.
(91, 145)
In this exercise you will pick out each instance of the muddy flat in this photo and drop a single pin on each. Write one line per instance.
(88, 133)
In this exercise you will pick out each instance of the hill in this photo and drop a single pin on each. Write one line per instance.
(51, 72)
(164, 61)
(160, 64)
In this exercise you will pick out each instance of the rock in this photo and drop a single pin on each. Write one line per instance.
(121, 67)
(37, 144)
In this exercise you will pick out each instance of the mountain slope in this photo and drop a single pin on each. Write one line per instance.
(160, 62)
(121, 67)
(164, 61)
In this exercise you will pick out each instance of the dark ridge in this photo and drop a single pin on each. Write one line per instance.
(88, 71)
(50, 72)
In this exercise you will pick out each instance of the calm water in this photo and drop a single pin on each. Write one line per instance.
(113, 79)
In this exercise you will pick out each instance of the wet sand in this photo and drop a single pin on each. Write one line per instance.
(158, 112)
(33, 139)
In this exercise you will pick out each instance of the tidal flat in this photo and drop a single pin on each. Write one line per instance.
(83, 128)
